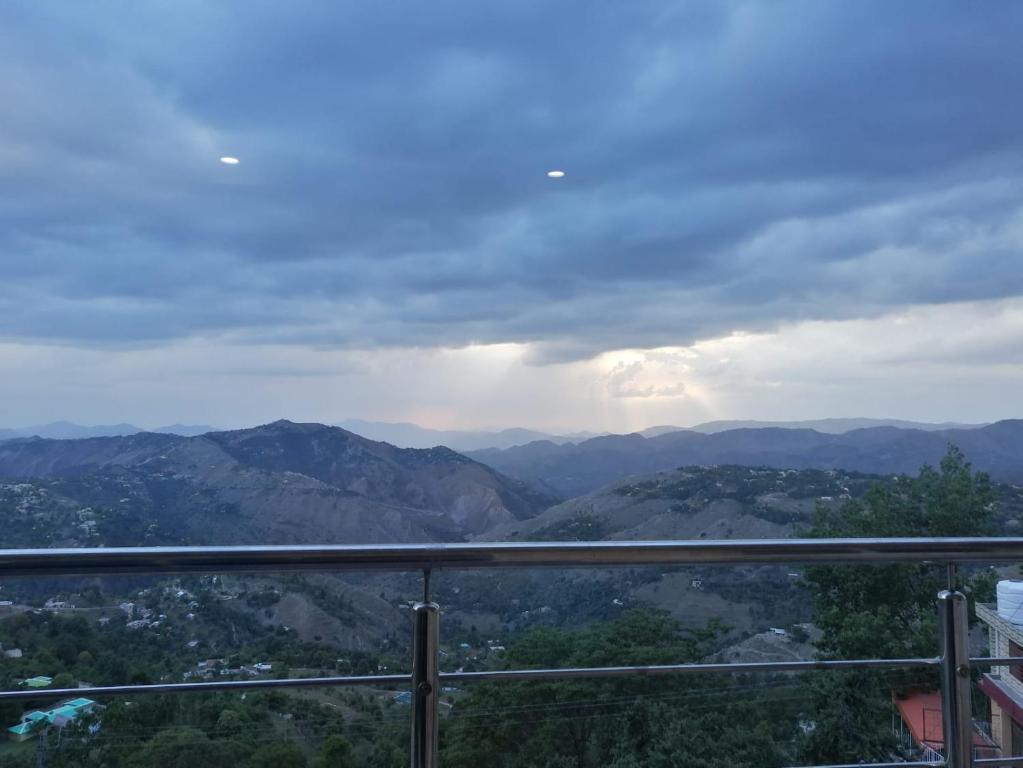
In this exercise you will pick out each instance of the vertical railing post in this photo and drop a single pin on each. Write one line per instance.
(957, 717)
(425, 684)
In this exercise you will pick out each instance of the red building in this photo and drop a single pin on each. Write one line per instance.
(920, 730)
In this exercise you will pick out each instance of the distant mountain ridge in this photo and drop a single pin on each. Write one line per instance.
(575, 469)
(832, 426)
(66, 430)
(279, 483)
(409, 435)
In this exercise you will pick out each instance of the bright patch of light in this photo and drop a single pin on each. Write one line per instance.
(555, 174)
(228, 160)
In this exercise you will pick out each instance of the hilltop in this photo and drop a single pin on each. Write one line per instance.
(726, 502)
(278, 483)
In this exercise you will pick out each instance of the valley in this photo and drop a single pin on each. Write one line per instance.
(307, 483)
(303, 483)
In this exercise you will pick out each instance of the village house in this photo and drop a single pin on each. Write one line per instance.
(58, 717)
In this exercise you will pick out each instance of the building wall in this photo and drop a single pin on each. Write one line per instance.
(1001, 729)
(1000, 632)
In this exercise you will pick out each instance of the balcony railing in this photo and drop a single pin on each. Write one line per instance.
(426, 679)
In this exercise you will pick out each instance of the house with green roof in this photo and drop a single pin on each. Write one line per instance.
(58, 717)
(40, 681)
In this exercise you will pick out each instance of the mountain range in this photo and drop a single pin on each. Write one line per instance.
(834, 426)
(310, 483)
(66, 430)
(573, 469)
(278, 483)
(408, 435)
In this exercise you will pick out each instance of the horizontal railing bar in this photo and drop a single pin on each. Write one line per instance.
(1016, 760)
(219, 685)
(465, 677)
(674, 669)
(996, 661)
(918, 764)
(414, 557)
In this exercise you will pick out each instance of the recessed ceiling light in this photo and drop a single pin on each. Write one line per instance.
(555, 174)
(227, 160)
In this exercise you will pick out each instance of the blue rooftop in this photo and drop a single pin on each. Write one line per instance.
(69, 709)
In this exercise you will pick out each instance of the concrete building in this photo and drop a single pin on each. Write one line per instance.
(1003, 686)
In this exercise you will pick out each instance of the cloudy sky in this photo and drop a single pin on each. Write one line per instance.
(769, 210)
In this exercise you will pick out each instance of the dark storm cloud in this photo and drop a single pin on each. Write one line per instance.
(729, 166)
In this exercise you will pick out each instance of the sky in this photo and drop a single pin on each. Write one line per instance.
(768, 210)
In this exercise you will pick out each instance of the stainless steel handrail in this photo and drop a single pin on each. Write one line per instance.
(656, 670)
(561, 673)
(418, 557)
(909, 764)
(426, 557)
(37, 694)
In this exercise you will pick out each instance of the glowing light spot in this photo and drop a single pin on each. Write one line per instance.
(555, 174)
(228, 160)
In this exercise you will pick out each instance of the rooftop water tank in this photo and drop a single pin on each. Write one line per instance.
(1010, 601)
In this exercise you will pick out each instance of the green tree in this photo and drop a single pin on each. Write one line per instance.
(184, 748)
(278, 755)
(884, 611)
(229, 724)
(622, 722)
(336, 752)
(64, 680)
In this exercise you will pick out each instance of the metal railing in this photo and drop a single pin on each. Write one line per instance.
(426, 679)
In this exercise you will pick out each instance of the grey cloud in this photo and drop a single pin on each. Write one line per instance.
(624, 381)
(730, 166)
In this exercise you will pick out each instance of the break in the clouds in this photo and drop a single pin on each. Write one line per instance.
(730, 167)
